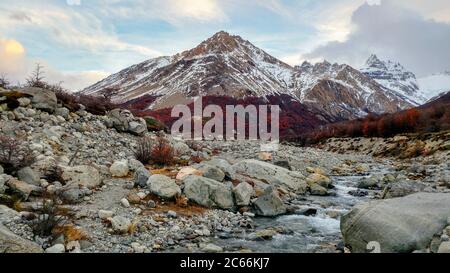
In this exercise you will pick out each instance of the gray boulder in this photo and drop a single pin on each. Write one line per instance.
(42, 99)
(223, 165)
(124, 121)
(243, 193)
(163, 186)
(368, 183)
(23, 189)
(141, 177)
(208, 192)
(181, 148)
(400, 225)
(2, 183)
(63, 112)
(272, 174)
(83, 175)
(212, 172)
(269, 204)
(28, 175)
(404, 188)
(11, 243)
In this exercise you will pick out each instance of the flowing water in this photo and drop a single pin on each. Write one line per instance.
(302, 232)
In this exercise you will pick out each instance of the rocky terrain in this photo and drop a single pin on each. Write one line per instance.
(70, 181)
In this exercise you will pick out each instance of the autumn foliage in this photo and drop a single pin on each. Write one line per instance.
(432, 117)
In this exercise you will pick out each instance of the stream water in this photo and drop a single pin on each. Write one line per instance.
(304, 232)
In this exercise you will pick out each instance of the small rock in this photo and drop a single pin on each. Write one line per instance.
(119, 168)
(212, 248)
(105, 214)
(141, 195)
(264, 156)
(58, 248)
(317, 189)
(172, 214)
(120, 224)
(151, 204)
(266, 234)
(141, 177)
(125, 202)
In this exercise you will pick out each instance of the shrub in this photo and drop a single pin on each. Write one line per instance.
(143, 151)
(162, 152)
(14, 154)
(50, 216)
(37, 77)
(96, 105)
(68, 100)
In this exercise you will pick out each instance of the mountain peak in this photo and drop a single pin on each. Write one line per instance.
(375, 62)
(221, 42)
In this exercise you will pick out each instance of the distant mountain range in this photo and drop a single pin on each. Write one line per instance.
(229, 66)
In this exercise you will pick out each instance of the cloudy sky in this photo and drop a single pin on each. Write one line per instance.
(80, 42)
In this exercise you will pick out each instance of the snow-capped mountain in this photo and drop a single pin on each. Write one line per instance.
(227, 65)
(435, 85)
(395, 77)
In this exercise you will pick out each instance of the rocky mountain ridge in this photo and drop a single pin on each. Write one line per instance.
(227, 65)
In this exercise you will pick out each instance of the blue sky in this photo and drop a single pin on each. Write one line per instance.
(80, 42)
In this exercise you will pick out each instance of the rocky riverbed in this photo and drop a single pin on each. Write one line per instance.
(217, 196)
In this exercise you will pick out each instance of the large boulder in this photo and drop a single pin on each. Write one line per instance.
(124, 121)
(42, 99)
(222, 164)
(83, 175)
(11, 243)
(272, 174)
(23, 189)
(399, 225)
(269, 204)
(186, 171)
(208, 192)
(163, 186)
(28, 175)
(243, 193)
(404, 188)
(212, 172)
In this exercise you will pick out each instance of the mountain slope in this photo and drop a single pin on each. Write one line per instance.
(395, 77)
(435, 85)
(227, 65)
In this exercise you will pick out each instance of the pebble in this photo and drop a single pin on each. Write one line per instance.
(125, 203)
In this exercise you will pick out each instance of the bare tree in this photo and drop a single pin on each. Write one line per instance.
(4, 83)
(37, 77)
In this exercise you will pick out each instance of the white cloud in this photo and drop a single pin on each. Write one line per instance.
(15, 65)
(175, 12)
(402, 35)
(68, 27)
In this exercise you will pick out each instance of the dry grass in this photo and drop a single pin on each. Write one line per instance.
(172, 173)
(71, 233)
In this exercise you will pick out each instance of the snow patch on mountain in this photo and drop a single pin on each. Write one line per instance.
(435, 85)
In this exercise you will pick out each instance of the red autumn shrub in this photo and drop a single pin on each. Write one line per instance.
(162, 152)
